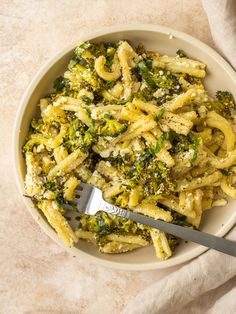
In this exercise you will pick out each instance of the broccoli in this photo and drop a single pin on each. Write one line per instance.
(103, 224)
(60, 83)
(146, 94)
(167, 81)
(55, 187)
(79, 135)
(86, 51)
(85, 74)
(38, 126)
(111, 127)
(151, 173)
(182, 143)
(224, 103)
(156, 78)
(35, 141)
(81, 48)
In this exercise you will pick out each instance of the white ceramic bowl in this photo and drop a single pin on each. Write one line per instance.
(219, 76)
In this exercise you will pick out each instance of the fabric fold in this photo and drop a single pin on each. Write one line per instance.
(209, 271)
(222, 20)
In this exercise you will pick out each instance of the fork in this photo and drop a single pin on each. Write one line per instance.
(90, 200)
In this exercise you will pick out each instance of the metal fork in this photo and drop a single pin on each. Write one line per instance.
(90, 200)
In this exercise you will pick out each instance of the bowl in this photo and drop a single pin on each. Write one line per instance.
(220, 75)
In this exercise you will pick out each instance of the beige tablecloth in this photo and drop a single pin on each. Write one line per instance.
(37, 276)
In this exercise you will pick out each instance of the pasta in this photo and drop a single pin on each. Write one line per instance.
(143, 129)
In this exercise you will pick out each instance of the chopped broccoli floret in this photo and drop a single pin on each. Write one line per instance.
(182, 143)
(85, 74)
(38, 126)
(167, 81)
(145, 94)
(224, 104)
(59, 84)
(81, 48)
(157, 78)
(111, 127)
(151, 173)
(103, 223)
(79, 135)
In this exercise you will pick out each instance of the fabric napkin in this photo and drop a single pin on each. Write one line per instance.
(207, 284)
(222, 19)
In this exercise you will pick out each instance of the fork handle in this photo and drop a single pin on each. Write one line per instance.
(205, 239)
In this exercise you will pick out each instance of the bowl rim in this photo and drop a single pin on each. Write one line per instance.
(16, 131)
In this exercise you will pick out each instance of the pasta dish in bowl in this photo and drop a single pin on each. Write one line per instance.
(140, 125)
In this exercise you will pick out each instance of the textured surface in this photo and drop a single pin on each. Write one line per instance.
(37, 276)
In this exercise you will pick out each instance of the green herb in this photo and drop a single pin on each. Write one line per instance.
(124, 101)
(154, 150)
(88, 101)
(146, 74)
(109, 84)
(160, 115)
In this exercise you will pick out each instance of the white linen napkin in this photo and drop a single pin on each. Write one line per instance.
(173, 293)
(222, 19)
(207, 284)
